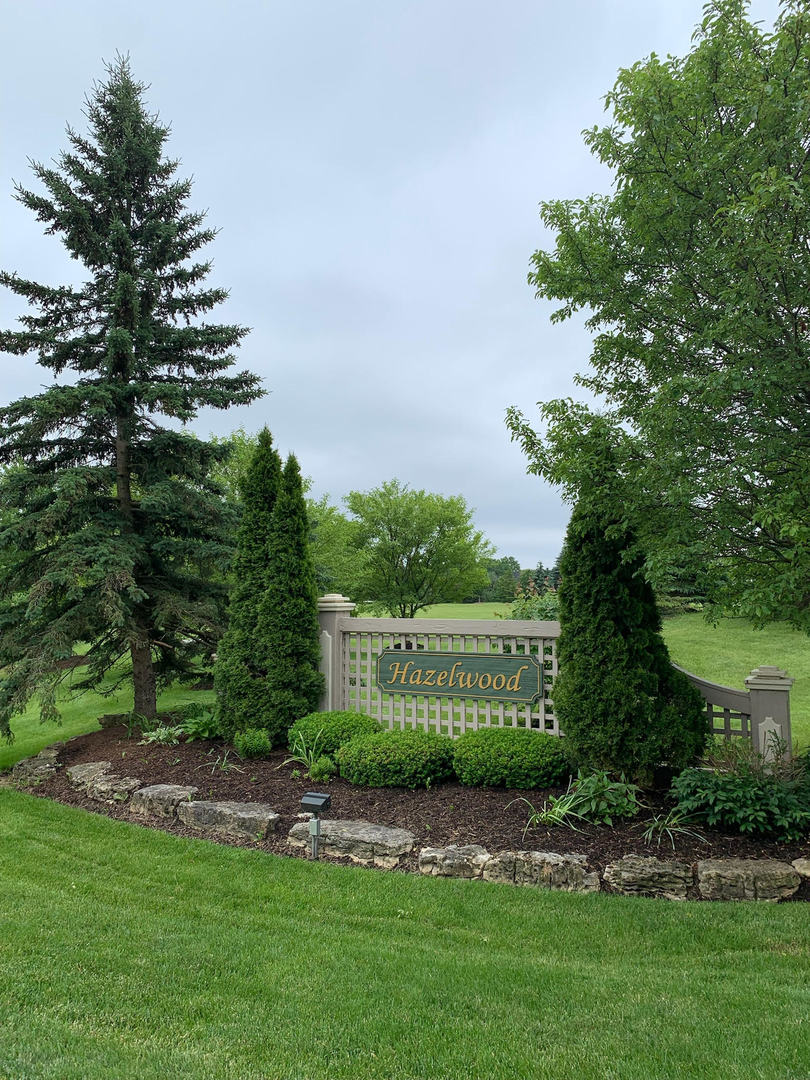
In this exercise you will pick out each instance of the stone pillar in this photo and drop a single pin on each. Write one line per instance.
(332, 608)
(770, 708)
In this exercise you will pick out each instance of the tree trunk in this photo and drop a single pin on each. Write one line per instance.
(143, 679)
(143, 672)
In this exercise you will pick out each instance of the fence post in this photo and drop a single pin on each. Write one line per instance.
(770, 708)
(331, 608)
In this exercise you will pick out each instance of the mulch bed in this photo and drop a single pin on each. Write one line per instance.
(446, 814)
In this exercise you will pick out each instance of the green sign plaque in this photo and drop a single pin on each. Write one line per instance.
(473, 675)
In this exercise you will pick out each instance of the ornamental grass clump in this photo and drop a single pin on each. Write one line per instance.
(510, 758)
(408, 759)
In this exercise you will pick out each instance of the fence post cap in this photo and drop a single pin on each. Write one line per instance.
(335, 602)
(768, 677)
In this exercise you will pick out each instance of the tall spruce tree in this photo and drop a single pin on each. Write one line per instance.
(240, 674)
(619, 700)
(114, 523)
(288, 632)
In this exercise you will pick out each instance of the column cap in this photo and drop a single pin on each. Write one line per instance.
(769, 677)
(335, 602)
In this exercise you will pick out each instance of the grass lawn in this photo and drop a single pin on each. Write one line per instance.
(79, 716)
(129, 953)
(727, 653)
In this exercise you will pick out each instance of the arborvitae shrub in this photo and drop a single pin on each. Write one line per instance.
(621, 703)
(409, 759)
(252, 743)
(287, 631)
(332, 729)
(510, 757)
(240, 673)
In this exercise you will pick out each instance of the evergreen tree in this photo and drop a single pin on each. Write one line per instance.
(621, 703)
(288, 633)
(115, 524)
(240, 674)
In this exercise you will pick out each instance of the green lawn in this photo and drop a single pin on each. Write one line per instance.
(126, 953)
(727, 653)
(78, 716)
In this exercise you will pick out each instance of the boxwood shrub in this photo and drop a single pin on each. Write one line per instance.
(511, 758)
(336, 728)
(252, 743)
(396, 759)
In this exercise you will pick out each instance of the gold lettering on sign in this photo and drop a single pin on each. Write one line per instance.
(463, 676)
(514, 682)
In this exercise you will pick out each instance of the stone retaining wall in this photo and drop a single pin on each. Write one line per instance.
(378, 845)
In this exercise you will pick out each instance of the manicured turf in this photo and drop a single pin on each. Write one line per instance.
(728, 652)
(464, 611)
(128, 953)
(79, 715)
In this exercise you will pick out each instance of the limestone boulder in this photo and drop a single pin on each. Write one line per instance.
(161, 800)
(112, 789)
(747, 879)
(461, 861)
(83, 775)
(37, 768)
(361, 841)
(642, 875)
(542, 870)
(802, 867)
(243, 821)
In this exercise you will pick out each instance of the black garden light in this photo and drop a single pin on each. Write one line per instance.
(316, 804)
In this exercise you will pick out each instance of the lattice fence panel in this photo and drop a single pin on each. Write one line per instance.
(445, 715)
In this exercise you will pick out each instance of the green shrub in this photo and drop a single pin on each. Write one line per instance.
(331, 729)
(535, 605)
(510, 757)
(322, 769)
(621, 703)
(396, 759)
(162, 735)
(199, 722)
(252, 743)
(745, 802)
(602, 800)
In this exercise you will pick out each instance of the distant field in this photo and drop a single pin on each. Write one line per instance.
(727, 653)
(463, 611)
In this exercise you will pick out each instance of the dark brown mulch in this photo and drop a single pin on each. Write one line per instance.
(446, 814)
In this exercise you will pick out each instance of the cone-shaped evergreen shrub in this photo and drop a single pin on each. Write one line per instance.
(240, 677)
(619, 700)
(287, 632)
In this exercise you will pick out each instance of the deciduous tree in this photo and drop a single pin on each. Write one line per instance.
(420, 548)
(696, 278)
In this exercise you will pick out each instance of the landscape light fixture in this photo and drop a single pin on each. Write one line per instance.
(316, 804)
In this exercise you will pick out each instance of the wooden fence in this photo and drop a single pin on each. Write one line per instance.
(350, 647)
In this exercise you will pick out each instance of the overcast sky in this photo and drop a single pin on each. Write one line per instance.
(375, 170)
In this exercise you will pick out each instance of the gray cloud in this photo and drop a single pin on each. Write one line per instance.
(375, 172)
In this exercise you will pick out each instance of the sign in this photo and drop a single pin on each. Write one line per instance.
(501, 677)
